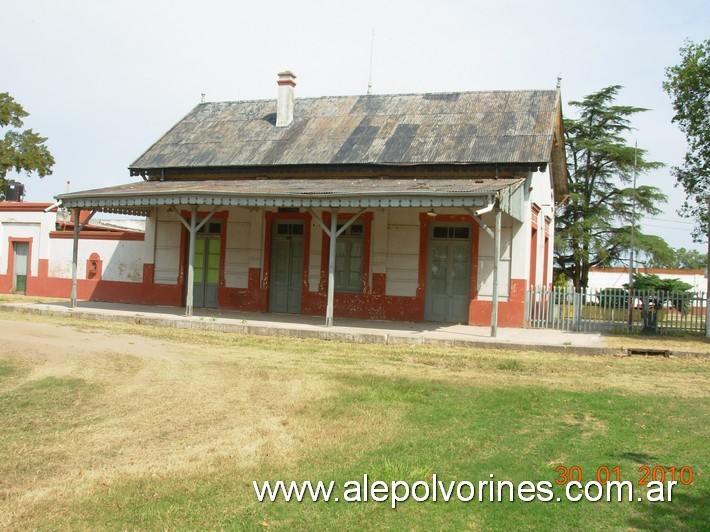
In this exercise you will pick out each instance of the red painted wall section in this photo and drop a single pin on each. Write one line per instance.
(364, 306)
(511, 313)
(254, 298)
(97, 289)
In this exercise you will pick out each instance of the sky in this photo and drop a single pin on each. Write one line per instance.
(104, 79)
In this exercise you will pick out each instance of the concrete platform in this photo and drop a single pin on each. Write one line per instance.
(346, 330)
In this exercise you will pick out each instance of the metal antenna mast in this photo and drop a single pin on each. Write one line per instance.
(372, 47)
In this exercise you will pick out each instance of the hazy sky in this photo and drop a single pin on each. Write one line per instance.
(105, 79)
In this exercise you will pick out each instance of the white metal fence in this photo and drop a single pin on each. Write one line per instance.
(614, 310)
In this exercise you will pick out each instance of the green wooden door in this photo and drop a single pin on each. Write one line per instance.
(449, 274)
(206, 280)
(287, 253)
(19, 274)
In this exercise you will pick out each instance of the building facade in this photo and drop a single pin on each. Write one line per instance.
(378, 206)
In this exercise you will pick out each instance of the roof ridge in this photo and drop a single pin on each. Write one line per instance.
(383, 95)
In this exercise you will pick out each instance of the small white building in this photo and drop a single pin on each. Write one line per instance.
(600, 278)
(36, 255)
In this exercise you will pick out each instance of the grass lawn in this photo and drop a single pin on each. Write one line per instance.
(116, 426)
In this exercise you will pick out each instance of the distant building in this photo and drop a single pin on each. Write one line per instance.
(600, 278)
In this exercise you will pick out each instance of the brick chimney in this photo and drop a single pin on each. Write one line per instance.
(287, 97)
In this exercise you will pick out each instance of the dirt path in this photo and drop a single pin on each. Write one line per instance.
(157, 406)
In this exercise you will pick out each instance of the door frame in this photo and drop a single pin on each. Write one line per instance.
(222, 216)
(207, 237)
(269, 218)
(11, 260)
(461, 242)
(425, 223)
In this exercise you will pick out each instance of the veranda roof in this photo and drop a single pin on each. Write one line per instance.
(140, 197)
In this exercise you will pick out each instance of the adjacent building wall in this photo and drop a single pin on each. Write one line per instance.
(112, 259)
(600, 278)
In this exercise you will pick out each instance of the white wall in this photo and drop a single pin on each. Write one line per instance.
(617, 277)
(121, 260)
(486, 257)
(238, 249)
(402, 252)
(540, 192)
(34, 225)
(168, 230)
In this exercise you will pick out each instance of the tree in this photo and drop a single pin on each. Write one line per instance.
(20, 150)
(688, 85)
(594, 228)
(652, 281)
(679, 259)
(690, 259)
(674, 291)
(653, 251)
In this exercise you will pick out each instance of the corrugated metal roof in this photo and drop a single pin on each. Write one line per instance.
(309, 188)
(497, 127)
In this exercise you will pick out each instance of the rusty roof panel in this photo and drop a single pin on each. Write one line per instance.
(468, 127)
(302, 187)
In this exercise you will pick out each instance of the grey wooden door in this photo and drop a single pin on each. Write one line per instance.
(287, 250)
(449, 275)
(206, 280)
(19, 274)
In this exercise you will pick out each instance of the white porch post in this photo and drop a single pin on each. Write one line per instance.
(74, 259)
(496, 267)
(191, 261)
(331, 268)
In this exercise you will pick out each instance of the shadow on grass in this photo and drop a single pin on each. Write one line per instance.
(639, 458)
(683, 512)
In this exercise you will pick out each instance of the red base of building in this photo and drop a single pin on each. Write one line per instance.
(255, 298)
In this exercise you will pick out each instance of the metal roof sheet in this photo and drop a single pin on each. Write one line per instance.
(367, 192)
(495, 127)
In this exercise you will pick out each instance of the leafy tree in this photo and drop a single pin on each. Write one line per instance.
(594, 228)
(690, 259)
(678, 259)
(653, 251)
(20, 150)
(652, 281)
(674, 291)
(688, 85)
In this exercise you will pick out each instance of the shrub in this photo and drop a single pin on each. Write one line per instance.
(614, 298)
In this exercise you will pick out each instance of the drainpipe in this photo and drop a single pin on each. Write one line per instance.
(74, 259)
(496, 267)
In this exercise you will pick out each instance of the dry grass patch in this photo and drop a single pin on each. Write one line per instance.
(87, 409)
(125, 405)
(689, 344)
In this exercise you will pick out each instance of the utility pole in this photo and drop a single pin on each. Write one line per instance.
(631, 252)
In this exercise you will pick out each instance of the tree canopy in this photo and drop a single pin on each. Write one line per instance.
(651, 281)
(594, 228)
(688, 85)
(679, 259)
(20, 150)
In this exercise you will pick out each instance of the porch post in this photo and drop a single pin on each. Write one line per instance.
(331, 268)
(191, 261)
(496, 267)
(74, 259)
